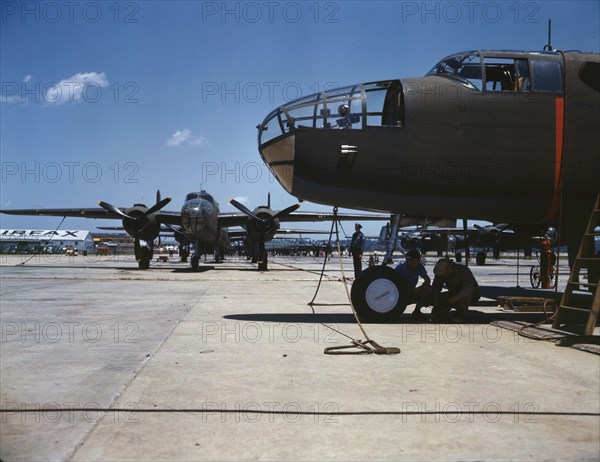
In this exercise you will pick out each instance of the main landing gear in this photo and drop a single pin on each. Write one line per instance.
(143, 255)
(379, 294)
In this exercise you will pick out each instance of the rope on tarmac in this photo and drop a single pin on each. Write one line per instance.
(356, 347)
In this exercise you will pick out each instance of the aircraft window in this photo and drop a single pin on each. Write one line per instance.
(506, 74)
(465, 68)
(547, 75)
(354, 107)
(207, 197)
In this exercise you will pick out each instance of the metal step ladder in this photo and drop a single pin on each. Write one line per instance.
(586, 258)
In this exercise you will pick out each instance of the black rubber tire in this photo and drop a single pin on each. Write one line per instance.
(144, 258)
(195, 262)
(480, 258)
(385, 279)
(458, 257)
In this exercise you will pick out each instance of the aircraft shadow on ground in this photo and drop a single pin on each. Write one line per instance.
(187, 269)
(473, 317)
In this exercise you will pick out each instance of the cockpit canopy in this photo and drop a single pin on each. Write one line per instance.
(356, 106)
(200, 195)
(503, 70)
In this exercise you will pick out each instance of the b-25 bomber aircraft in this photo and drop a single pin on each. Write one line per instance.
(199, 222)
(501, 136)
(498, 238)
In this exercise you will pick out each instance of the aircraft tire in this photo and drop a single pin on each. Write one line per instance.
(195, 262)
(144, 258)
(379, 295)
(480, 258)
(458, 257)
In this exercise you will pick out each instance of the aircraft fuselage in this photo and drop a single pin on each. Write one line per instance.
(199, 218)
(485, 135)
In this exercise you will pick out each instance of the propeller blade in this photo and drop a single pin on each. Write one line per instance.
(173, 228)
(159, 205)
(242, 208)
(287, 211)
(480, 228)
(157, 196)
(113, 209)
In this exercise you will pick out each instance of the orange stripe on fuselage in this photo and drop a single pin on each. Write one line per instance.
(559, 107)
(560, 125)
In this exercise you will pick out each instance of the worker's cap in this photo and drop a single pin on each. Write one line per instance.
(442, 267)
(357, 225)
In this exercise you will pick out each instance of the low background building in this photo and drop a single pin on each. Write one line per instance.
(45, 241)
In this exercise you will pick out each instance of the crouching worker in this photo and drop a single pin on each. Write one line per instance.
(463, 290)
(410, 271)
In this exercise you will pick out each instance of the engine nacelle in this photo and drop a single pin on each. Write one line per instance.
(267, 229)
(143, 226)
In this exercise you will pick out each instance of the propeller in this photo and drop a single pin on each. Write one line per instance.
(493, 231)
(159, 205)
(242, 208)
(155, 208)
(264, 225)
(113, 209)
(138, 220)
(286, 211)
(263, 220)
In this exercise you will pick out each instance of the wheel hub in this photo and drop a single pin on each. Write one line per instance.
(382, 295)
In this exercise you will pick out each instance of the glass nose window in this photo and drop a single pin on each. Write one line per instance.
(353, 107)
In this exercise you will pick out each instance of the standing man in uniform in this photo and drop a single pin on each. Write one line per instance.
(357, 246)
(463, 289)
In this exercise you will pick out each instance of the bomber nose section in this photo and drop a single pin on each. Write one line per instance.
(308, 141)
(195, 215)
(279, 156)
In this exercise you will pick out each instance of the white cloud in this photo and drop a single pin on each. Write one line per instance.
(77, 88)
(27, 78)
(179, 137)
(185, 136)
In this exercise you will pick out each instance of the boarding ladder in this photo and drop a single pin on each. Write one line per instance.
(586, 258)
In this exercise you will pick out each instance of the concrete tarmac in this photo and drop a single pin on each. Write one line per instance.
(102, 361)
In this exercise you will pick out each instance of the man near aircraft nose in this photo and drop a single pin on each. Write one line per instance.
(410, 271)
(463, 289)
(357, 246)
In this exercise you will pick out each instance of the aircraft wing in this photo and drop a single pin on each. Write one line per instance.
(239, 219)
(172, 218)
(96, 212)
(301, 231)
(241, 233)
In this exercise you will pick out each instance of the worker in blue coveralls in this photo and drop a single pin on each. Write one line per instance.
(357, 247)
(410, 271)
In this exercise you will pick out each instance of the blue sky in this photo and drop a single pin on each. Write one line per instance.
(113, 100)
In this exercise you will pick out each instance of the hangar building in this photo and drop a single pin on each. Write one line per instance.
(47, 241)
